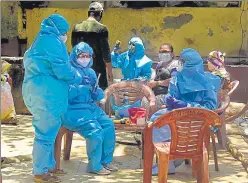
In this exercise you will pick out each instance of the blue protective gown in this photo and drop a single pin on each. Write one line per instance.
(193, 86)
(45, 88)
(133, 65)
(87, 118)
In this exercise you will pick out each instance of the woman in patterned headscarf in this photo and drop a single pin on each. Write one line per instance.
(216, 66)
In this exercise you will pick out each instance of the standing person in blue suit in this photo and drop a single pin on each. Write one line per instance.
(48, 74)
(86, 117)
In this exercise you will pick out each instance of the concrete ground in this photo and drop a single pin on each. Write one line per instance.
(16, 145)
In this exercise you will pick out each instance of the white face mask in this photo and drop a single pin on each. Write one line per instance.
(83, 61)
(166, 57)
(63, 38)
(180, 67)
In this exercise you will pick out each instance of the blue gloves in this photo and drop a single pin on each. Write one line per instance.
(173, 103)
(168, 100)
(179, 104)
(97, 94)
(173, 72)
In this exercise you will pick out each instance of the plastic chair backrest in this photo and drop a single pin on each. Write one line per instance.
(188, 127)
(133, 90)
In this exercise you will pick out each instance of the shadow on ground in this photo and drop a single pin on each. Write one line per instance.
(127, 158)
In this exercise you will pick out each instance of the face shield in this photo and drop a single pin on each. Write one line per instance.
(131, 47)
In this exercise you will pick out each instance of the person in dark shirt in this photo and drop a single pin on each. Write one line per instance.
(94, 33)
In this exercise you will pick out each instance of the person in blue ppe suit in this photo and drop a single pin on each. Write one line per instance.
(191, 87)
(86, 117)
(48, 74)
(133, 63)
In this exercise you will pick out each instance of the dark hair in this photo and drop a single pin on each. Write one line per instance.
(169, 45)
(94, 13)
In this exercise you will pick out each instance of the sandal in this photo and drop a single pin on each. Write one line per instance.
(58, 172)
(46, 178)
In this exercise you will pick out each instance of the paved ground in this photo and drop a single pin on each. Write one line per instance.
(16, 144)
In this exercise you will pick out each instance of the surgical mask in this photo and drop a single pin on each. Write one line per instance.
(166, 57)
(63, 38)
(83, 61)
(180, 67)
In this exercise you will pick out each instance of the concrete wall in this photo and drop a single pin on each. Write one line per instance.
(183, 27)
(9, 20)
(202, 28)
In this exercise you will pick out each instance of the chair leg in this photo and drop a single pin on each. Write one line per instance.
(214, 152)
(194, 167)
(221, 133)
(205, 169)
(57, 147)
(67, 145)
(142, 149)
(148, 156)
(109, 108)
(163, 166)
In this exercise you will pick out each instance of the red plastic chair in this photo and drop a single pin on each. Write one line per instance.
(189, 140)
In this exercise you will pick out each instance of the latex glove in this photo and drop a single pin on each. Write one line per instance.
(173, 103)
(173, 72)
(169, 101)
(88, 81)
(179, 104)
(117, 46)
(97, 94)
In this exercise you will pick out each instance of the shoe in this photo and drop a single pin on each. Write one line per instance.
(46, 178)
(111, 167)
(103, 171)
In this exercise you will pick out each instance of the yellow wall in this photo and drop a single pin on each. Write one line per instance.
(67, 4)
(204, 29)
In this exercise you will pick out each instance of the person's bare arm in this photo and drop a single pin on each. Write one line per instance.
(153, 84)
(109, 73)
(106, 55)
